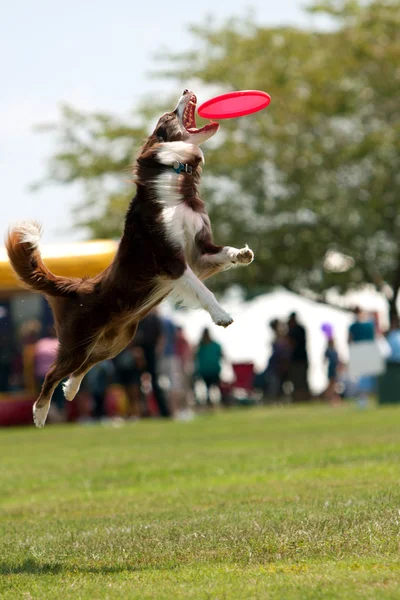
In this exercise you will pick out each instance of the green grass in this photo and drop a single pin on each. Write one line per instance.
(292, 503)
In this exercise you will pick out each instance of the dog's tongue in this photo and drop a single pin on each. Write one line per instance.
(210, 125)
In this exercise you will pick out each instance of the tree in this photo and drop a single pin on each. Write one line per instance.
(315, 173)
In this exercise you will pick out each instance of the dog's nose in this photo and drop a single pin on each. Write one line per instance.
(185, 91)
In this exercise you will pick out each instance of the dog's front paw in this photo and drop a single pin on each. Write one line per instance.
(225, 321)
(245, 256)
(222, 318)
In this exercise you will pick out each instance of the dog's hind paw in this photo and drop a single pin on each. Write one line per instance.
(69, 390)
(71, 387)
(40, 414)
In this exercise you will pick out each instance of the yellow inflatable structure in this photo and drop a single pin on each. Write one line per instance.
(71, 260)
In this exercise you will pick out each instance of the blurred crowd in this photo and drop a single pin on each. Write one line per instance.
(286, 374)
(285, 377)
(161, 373)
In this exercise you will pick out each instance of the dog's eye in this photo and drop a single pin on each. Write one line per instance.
(161, 134)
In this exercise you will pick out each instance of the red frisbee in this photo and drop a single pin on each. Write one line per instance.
(234, 104)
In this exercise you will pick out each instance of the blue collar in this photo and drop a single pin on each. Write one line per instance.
(178, 167)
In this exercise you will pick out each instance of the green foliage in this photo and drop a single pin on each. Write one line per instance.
(317, 171)
(294, 503)
(97, 151)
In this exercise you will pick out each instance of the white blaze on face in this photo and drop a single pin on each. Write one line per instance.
(180, 107)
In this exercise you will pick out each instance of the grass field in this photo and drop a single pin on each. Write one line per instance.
(291, 503)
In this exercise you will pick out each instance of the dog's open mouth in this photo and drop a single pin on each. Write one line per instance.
(189, 118)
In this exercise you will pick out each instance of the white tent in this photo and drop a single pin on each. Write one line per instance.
(249, 337)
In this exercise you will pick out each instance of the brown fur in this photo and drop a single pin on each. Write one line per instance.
(95, 318)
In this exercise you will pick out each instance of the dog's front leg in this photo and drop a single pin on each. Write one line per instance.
(188, 287)
(229, 257)
(216, 259)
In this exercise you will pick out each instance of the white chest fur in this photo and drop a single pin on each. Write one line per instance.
(181, 223)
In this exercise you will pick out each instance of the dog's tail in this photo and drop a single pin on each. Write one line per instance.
(22, 245)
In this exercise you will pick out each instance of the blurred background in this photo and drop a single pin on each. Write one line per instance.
(311, 184)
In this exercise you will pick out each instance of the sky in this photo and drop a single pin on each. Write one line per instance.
(93, 55)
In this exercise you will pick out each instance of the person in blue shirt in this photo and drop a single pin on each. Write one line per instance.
(169, 365)
(393, 339)
(363, 330)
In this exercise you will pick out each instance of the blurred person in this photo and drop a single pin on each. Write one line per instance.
(393, 339)
(6, 356)
(184, 352)
(346, 386)
(129, 366)
(149, 337)
(24, 369)
(276, 372)
(184, 355)
(45, 351)
(208, 363)
(332, 359)
(173, 365)
(98, 379)
(381, 338)
(298, 362)
(170, 367)
(363, 329)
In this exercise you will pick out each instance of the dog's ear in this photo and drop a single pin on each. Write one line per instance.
(151, 142)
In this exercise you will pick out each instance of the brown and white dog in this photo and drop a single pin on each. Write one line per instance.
(166, 247)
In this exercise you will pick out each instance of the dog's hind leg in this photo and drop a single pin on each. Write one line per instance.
(42, 404)
(57, 373)
(97, 354)
(72, 385)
